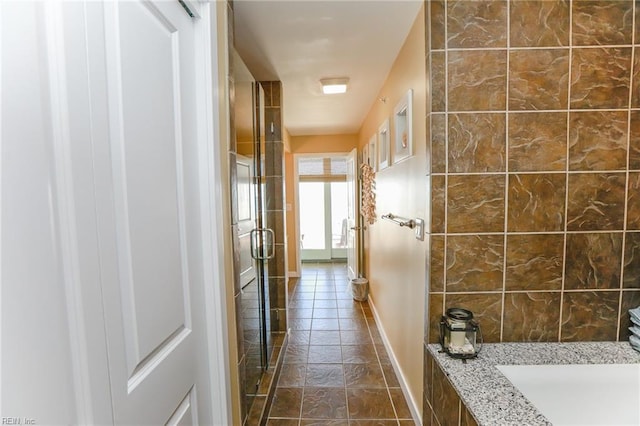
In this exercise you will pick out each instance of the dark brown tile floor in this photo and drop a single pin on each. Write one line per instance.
(336, 370)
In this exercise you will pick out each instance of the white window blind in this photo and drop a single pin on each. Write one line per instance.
(322, 169)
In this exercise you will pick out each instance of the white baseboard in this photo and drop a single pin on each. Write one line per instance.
(414, 405)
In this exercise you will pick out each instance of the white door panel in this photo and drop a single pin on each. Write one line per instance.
(102, 267)
(150, 73)
(352, 218)
(36, 369)
(146, 147)
(246, 219)
(183, 415)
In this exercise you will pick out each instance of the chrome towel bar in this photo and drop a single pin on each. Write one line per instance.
(400, 220)
(416, 224)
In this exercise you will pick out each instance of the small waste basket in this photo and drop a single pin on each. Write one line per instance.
(360, 289)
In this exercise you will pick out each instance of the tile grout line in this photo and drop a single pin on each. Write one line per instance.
(628, 175)
(507, 177)
(567, 175)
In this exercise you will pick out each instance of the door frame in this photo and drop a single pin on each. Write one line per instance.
(84, 305)
(296, 182)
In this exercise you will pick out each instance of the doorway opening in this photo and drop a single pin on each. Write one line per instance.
(323, 207)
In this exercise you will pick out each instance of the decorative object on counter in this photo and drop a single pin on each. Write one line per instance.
(634, 338)
(368, 202)
(460, 335)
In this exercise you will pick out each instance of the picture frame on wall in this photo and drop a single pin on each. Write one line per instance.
(403, 125)
(373, 152)
(365, 154)
(384, 141)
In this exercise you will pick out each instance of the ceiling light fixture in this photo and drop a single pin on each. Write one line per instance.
(332, 86)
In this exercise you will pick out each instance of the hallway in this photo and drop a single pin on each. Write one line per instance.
(336, 370)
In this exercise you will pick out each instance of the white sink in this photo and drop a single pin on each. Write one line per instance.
(581, 395)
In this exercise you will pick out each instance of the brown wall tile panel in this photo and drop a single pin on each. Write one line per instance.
(590, 316)
(633, 202)
(438, 82)
(273, 115)
(428, 375)
(476, 24)
(531, 317)
(437, 16)
(477, 143)
(276, 94)
(446, 402)
(486, 308)
(596, 201)
(274, 193)
(536, 202)
(602, 22)
(635, 93)
(600, 78)
(427, 415)
(636, 36)
(598, 140)
(536, 23)
(437, 264)
(435, 313)
(631, 272)
(634, 139)
(565, 173)
(438, 143)
(474, 262)
(534, 262)
(466, 418)
(538, 79)
(477, 80)
(593, 261)
(538, 141)
(274, 157)
(275, 222)
(475, 203)
(438, 195)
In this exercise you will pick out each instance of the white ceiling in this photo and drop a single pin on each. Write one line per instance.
(300, 42)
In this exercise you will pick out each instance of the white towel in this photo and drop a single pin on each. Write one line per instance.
(635, 315)
(635, 342)
(635, 330)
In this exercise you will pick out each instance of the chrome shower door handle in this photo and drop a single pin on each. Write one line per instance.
(271, 243)
(252, 240)
(261, 238)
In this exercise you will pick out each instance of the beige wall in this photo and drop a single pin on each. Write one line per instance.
(323, 143)
(395, 259)
(306, 145)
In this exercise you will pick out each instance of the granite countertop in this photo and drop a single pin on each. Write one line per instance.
(491, 397)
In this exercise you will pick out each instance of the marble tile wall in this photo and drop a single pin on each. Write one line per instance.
(535, 160)
(275, 204)
(442, 405)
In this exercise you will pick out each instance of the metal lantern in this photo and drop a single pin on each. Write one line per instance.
(460, 335)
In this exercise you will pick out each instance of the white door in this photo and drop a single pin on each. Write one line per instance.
(102, 248)
(246, 219)
(352, 215)
(148, 211)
